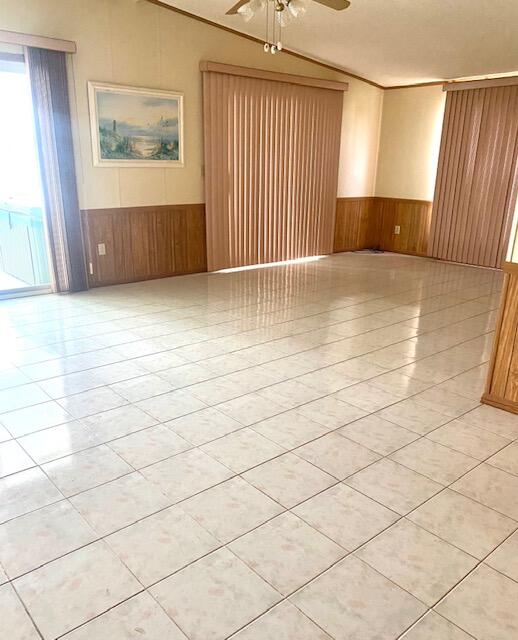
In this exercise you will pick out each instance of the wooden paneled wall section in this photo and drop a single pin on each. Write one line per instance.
(155, 242)
(366, 223)
(144, 242)
(502, 386)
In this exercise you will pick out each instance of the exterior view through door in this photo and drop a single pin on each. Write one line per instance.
(24, 263)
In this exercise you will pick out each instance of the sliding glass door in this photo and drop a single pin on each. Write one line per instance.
(24, 259)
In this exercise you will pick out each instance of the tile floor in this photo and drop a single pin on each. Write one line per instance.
(288, 453)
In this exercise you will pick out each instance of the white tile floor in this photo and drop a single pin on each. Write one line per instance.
(289, 453)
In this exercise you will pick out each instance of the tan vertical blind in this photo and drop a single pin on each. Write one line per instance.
(271, 158)
(476, 184)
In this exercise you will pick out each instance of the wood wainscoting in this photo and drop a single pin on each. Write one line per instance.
(142, 243)
(357, 225)
(370, 223)
(502, 384)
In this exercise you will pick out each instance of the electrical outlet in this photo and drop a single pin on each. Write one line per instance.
(101, 249)
(397, 230)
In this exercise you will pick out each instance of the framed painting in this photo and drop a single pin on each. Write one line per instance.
(134, 127)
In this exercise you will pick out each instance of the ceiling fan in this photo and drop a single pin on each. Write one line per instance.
(283, 11)
(281, 5)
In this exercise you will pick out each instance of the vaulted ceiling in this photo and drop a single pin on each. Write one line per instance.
(394, 42)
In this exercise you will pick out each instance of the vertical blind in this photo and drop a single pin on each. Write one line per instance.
(48, 75)
(477, 176)
(271, 172)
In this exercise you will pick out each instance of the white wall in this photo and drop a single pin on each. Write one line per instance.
(137, 43)
(361, 127)
(409, 142)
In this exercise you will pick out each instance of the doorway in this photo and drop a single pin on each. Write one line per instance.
(24, 257)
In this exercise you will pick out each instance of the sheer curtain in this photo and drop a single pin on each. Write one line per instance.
(48, 75)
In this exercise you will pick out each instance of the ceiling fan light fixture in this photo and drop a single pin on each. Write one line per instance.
(257, 5)
(297, 8)
(246, 12)
(283, 18)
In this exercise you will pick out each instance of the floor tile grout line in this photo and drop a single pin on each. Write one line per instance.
(220, 437)
(19, 598)
(293, 378)
(37, 382)
(403, 517)
(126, 402)
(286, 509)
(294, 306)
(244, 426)
(307, 331)
(397, 292)
(426, 614)
(67, 498)
(374, 412)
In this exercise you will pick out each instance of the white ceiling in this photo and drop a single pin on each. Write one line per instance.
(395, 42)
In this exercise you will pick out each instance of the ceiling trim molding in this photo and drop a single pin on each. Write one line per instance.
(415, 86)
(301, 56)
(261, 74)
(460, 85)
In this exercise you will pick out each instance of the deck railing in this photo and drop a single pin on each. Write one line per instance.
(23, 252)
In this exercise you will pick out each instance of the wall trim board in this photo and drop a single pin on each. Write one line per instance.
(406, 200)
(301, 56)
(416, 85)
(498, 403)
(143, 243)
(148, 208)
(369, 223)
(456, 85)
(261, 74)
(42, 42)
(502, 381)
(461, 85)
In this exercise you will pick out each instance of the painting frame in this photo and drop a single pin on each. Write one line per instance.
(96, 88)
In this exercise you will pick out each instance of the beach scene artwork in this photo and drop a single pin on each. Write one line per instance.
(136, 127)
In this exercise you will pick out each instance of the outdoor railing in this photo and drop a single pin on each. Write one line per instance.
(23, 253)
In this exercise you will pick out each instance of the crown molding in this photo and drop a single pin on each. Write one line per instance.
(300, 56)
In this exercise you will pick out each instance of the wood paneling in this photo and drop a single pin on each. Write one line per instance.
(357, 225)
(412, 217)
(144, 242)
(155, 242)
(368, 223)
(477, 176)
(502, 386)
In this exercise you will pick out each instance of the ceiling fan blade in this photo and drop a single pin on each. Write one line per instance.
(237, 6)
(338, 5)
